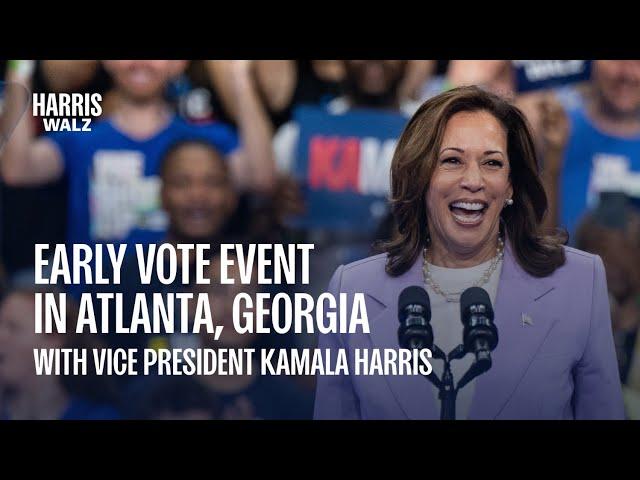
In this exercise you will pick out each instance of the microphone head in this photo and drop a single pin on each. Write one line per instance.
(414, 295)
(414, 315)
(480, 334)
(475, 296)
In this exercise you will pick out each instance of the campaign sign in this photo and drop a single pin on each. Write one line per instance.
(541, 74)
(343, 165)
(614, 173)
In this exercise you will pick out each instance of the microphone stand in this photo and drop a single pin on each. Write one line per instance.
(447, 393)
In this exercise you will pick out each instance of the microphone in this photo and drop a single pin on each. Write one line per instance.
(414, 314)
(480, 335)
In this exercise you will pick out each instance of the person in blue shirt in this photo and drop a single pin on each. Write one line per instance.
(24, 395)
(113, 169)
(200, 201)
(601, 151)
(203, 207)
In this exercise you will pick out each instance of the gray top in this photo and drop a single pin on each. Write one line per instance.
(447, 325)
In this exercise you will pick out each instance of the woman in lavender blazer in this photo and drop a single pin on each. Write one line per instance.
(466, 193)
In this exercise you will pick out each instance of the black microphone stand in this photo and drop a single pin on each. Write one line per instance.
(447, 392)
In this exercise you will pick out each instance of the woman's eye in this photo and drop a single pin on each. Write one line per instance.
(494, 163)
(451, 160)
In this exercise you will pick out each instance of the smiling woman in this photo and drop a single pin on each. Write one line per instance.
(469, 188)
(469, 203)
(197, 191)
(467, 146)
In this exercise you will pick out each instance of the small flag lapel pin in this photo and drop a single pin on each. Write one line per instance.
(526, 320)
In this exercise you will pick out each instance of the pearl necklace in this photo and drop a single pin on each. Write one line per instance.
(455, 296)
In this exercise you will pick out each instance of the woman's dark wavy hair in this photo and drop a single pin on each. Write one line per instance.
(415, 160)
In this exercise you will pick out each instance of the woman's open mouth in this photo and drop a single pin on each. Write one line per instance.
(468, 213)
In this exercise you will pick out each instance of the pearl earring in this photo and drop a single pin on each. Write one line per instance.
(508, 202)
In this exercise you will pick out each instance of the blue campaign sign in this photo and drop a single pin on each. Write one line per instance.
(541, 74)
(343, 164)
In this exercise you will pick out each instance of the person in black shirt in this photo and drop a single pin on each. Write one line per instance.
(252, 396)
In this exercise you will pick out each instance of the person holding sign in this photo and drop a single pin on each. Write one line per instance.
(469, 203)
(337, 161)
(602, 151)
(113, 168)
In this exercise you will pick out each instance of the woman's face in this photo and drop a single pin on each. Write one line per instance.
(470, 184)
(197, 193)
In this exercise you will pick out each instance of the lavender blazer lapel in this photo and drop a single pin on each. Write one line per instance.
(524, 316)
(413, 393)
(519, 341)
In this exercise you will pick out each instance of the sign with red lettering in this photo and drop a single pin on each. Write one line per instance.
(343, 164)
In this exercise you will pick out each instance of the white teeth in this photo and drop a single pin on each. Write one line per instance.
(473, 218)
(468, 206)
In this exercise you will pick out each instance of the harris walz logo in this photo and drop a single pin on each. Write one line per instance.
(67, 112)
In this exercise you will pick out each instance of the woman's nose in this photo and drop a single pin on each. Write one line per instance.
(472, 178)
(197, 191)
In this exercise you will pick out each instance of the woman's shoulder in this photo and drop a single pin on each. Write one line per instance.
(360, 273)
(372, 263)
(580, 264)
(365, 268)
(579, 258)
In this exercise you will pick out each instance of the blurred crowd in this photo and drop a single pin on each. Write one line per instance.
(210, 152)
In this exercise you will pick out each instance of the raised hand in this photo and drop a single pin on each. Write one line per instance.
(554, 124)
